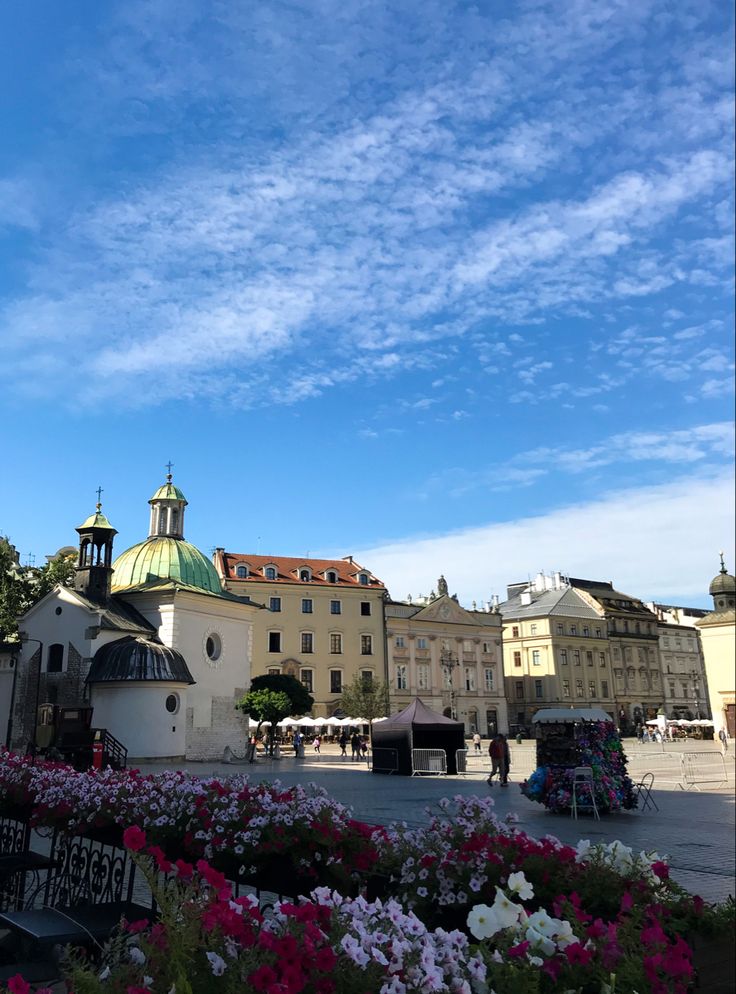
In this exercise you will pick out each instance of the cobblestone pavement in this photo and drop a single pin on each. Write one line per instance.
(694, 829)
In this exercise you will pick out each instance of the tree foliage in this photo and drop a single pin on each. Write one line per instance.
(265, 705)
(22, 586)
(365, 700)
(301, 701)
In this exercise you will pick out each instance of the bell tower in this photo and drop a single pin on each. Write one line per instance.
(94, 565)
(167, 510)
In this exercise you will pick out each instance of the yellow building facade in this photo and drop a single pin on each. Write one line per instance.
(718, 637)
(320, 620)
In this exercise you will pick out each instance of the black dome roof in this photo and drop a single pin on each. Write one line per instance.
(138, 659)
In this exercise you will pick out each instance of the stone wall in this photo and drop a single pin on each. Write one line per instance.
(228, 727)
(66, 689)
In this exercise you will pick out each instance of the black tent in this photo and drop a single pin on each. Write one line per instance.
(416, 727)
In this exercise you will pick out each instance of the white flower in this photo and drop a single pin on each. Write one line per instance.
(506, 911)
(520, 886)
(217, 964)
(147, 980)
(540, 942)
(137, 956)
(105, 973)
(482, 922)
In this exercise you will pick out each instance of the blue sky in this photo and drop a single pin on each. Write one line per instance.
(447, 286)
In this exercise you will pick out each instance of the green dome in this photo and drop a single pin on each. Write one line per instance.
(168, 492)
(164, 558)
(96, 520)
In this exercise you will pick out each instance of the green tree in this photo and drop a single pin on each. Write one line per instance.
(22, 586)
(264, 705)
(301, 700)
(363, 699)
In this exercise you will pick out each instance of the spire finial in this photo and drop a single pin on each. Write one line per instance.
(169, 466)
(723, 565)
(99, 493)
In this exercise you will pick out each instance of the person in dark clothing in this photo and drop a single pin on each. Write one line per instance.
(355, 747)
(498, 750)
(343, 740)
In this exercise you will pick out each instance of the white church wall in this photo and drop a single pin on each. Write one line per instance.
(136, 714)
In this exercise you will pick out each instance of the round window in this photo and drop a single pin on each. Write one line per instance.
(58, 610)
(213, 646)
(172, 703)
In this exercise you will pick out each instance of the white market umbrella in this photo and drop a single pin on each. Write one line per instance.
(306, 721)
(252, 723)
(319, 721)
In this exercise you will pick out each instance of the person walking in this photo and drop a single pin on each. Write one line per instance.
(495, 751)
(317, 744)
(343, 740)
(476, 742)
(355, 747)
(723, 736)
(297, 743)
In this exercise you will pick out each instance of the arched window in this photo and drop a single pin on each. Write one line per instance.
(363, 578)
(305, 574)
(270, 573)
(175, 519)
(162, 521)
(331, 576)
(241, 572)
(55, 659)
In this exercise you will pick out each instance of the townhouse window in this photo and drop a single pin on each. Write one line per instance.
(366, 645)
(598, 633)
(307, 641)
(573, 629)
(589, 658)
(305, 575)
(517, 659)
(536, 657)
(672, 688)
(602, 658)
(576, 656)
(401, 677)
(421, 643)
(363, 579)
(55, 658)
(274, 641)
(335, 607)
(331, 576)
(400, 642)
(335, 643)
(538, 690)
(335, 681)
(591, 688)
(515, 631)
(307, 605)
(241, 572)
(563, 657)
(467, 645)
(270, 573)
(469, 678)
(307, 678)
(565, 688)
(423, 676)
(533, 629)
(579, 692)
(488, 678)
(274, 604)
(366, 678)
(604, 688)
(519, 690)
(560, 629)
(365, 609)
(274, 671)
(586, 631)
(487, 647)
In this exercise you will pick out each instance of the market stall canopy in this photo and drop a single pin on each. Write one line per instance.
(571, 714)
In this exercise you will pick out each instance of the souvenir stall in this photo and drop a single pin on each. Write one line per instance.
(572, 737)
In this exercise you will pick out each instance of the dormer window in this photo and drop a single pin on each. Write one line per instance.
(364, 579)
(305, 574)
(241, 572)
(331, 576)
(270, 572)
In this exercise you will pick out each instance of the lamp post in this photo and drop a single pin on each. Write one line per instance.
(25, 638)
(696, 693)
(448, 662)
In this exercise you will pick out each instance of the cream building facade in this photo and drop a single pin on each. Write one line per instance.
(718, 635)
(684, 685)
(319, 620)
(555, 649)
(450, 657)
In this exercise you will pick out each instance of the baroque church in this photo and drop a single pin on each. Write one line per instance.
(150, 640)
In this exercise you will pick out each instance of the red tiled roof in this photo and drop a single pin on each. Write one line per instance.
(288, 569)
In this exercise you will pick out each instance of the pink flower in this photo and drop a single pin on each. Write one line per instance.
(134, 838)
(17, 985)
(627, 902)
(519, 950)
(577, 953)
(661, 870)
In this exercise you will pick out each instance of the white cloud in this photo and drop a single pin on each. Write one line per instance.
(654, 542)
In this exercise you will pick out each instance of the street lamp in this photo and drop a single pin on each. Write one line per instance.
(26, 638)
(448, 662)
(696, 692)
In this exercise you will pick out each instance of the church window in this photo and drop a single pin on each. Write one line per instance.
(213, 646)
(162, 521)
(172, 703)
(55, 660)
(175, 519)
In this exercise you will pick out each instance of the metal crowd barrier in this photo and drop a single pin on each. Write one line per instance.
(470, 762)
(700, 768)
(384, 760)
(429, 761)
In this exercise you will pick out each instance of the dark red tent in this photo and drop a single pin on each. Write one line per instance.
(416, 727)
